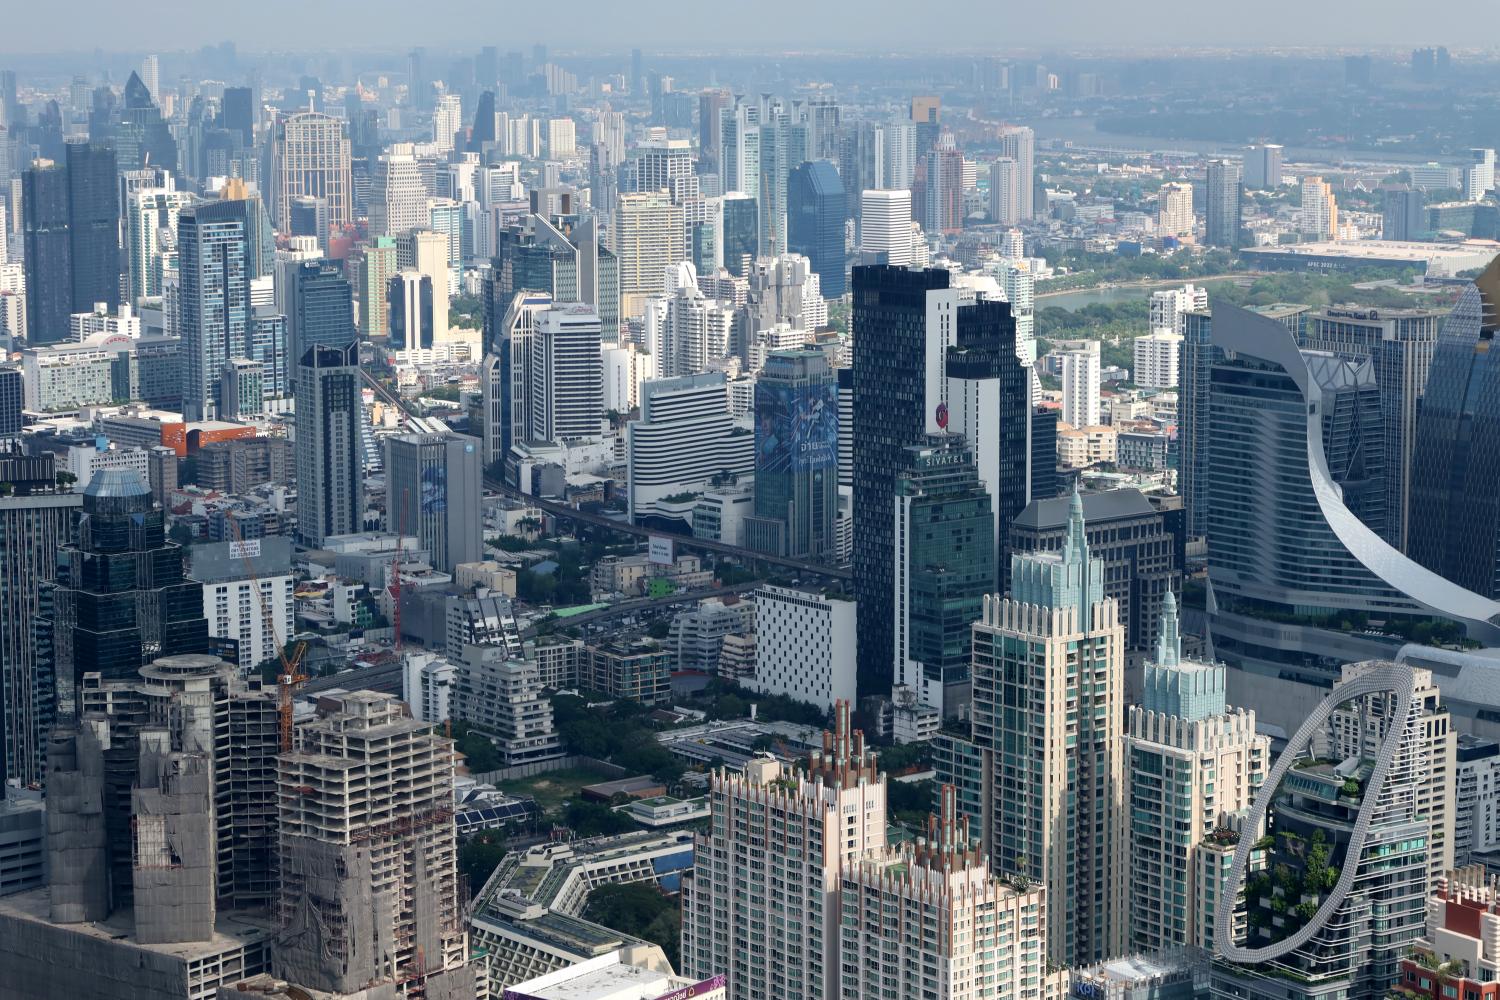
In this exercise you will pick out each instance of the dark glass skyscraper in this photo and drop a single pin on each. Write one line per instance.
(93, 225)
(890, 399)
(215, 293)
(238, 113)
(142, 136)
(1222, 205)
(320, 307)
(741, 232)
(122, 599)
(1454, 527)
(330, 448)
(816, 211)
(796, 456)
(49, 259)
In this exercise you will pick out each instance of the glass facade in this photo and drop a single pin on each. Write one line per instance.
(817, 210)
(1455, 523)
(122, 599)
(215, 295)
(796, 454)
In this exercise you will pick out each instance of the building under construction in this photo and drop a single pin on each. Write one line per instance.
(369, 874)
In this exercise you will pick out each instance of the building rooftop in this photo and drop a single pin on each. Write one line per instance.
(232, 930)
(1046, 515)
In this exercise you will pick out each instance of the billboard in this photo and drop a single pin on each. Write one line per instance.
(659, 550)
(434, 490)
(796, 427)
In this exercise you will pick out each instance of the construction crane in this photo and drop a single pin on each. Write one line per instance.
(291, 668)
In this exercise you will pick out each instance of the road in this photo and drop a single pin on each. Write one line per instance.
(639, 604)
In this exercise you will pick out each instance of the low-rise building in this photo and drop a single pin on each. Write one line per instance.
(640, 670)
(1081, 447)
(1457, 957)
(617, 976)
(501, 697)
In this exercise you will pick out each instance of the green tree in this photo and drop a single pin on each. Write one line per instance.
(479, 855)
(591, 819)
(639, 909)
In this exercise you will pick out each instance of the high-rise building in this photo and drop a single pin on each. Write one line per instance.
(1005, 192)
(319, 303)
(376, 269)
(1284, 612)
(507, 376)
(685, 437)
(1403, 213)
(150, 238)
(1000, 951)
(142, 136)
(1139, 545)
(433, 485)
(1194, 766)
(1051, 652)
(817, 210)
(1174, 210)
(35, 523)
(1018, 143)
(330, 430)
(237, 113)
(741, 231)
(1080, 386)
(379, 853)
(447, 120)
(536, 256)
(796, 456)
(1400, 345)
(1335, 900)
(311, 156)
(567, 383)
(1479, 174)
(48, 252)
(1319, 217)
(501, 696)
(121, 599)
(686, 331)
(885, 227)
(767, 917)
(1455, 514)
(943, 566)
(258, 625)
(398, 193)
(1262, 167)
(409, 307)
(937, 192)
(214, 298)
(1223, 192)
(649, 237)
(1157, 360)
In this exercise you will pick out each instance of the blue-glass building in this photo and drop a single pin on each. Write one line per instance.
(816, 213)
(320, 307)
(212, 248)
(1454, 527)
(741, 231)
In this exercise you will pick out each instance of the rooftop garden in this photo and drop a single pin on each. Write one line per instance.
(1283, 896)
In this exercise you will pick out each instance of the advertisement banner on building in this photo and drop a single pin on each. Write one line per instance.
(659, 550)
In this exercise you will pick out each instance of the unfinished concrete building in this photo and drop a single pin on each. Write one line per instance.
(207, 709)
(172, 869)
(369, 876)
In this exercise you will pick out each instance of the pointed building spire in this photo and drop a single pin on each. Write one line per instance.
(1169, 644)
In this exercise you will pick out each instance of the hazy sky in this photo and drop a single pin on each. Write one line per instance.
(290, 25)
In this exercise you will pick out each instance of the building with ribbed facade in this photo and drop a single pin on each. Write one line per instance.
(1194, 766)
(567, 375)
(1047, 711)
(330, 450)
(763, 904)
(885, 226)
(650, 235)
(434, 484)
(929, 919)
(684, 438)
(311, 156)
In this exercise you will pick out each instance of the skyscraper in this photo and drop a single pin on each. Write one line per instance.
(1262, 167)
(143, 138)
(796, 456)
(1222, 204)
(319, 304)
(567, 375)
(1319, 218)
(649, 236)
(1080, 382)
(1005, 192)
(35, 523)
(943, 565)
(311, 156)
(434, 484)
(408, 296)
(1338, 898)
(48, 253)
(1455, 527)
(885, 227)
(149, 215)
(330, 431)
(1400, 345)
(376, 268)
(1018, 143)
(767, 917)
(214, 297)
(1403, 213)
(1049, 662)
(1194, 766)
(817, 210)
(93, 225)
(741, 242)
(1174, 210)
(122, 599)
(897, 368)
